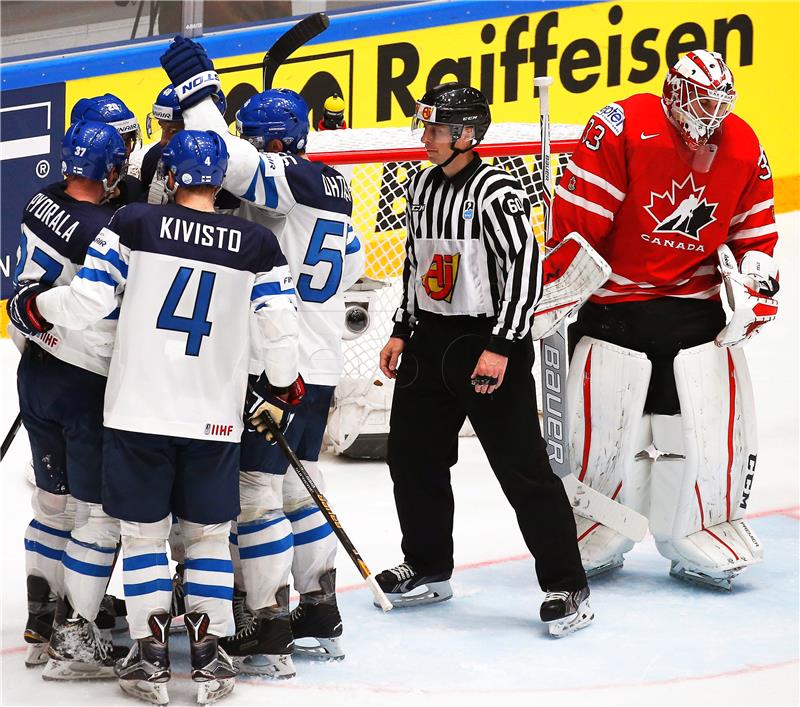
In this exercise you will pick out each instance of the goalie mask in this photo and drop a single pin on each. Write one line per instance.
(449, 108)
(698, 95)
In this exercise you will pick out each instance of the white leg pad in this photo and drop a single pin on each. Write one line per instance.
(706, 460)
(263, 538)
(145, 571)
(606, 390)
(89, 558)
(314, 541)
(208, 577)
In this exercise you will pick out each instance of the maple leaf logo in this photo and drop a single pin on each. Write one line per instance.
(682, 209)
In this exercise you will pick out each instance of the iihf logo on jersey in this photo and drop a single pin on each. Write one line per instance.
(440, 279)
(681, 210)
(219, 430)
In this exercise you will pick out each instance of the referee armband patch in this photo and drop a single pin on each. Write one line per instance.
(513, 205)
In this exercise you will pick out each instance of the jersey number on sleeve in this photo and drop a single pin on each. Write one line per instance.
(593, 134)
(317, 254)
(196, 326)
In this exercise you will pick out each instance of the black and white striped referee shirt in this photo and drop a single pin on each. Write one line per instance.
(470, 250)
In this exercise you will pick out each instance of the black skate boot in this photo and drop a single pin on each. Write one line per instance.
(78, 649)
(266, 649)
(41, 610)
(145, 671)
(316, 623)
(112, 616)
(178, 599)
(566, 612)
(212, 668)
(404, 586)
(245, 639)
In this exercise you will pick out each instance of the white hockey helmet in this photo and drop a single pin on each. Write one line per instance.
(698, 95)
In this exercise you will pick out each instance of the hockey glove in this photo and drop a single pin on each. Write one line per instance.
(23, 312)
(264, 399)
(190, 71)
(751, 307)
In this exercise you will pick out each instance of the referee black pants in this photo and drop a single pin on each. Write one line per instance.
(432, 397)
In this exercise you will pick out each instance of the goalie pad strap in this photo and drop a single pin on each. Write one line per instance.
(571, 272)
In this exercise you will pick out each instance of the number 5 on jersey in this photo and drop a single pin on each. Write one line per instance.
(317, 254)
(197, 326)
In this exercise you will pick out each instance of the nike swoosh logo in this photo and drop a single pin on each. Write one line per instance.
(647, 137)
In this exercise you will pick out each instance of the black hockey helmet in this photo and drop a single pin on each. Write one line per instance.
(454, 104)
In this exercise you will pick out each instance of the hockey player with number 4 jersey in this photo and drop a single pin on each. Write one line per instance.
(675, 194)
(202, 296)
(308, 205)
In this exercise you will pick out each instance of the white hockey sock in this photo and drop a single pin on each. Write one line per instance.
(89, 558)
(233, 546)
(265, 552)
(148, 586)
(208, 578)
(44, 546)
(314, 548)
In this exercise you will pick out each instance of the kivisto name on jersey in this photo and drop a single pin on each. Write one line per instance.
(176, 229)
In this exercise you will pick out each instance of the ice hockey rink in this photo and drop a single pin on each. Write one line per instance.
(655, 640)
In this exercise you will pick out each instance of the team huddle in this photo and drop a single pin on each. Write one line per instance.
(179, 305)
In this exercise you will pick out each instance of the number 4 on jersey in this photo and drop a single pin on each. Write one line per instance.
(197, 326)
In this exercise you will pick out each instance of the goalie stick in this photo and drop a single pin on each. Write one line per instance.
(585, 501)
(289, 42)
(330, 516)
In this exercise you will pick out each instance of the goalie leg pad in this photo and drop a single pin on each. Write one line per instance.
(606, 390)
(358, 425)
(704, 470)
(263, 538)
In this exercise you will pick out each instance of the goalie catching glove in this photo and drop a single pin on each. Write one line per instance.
(23, 312)
(571, 272)
(749, 291)
(265, 399)
(190, 71)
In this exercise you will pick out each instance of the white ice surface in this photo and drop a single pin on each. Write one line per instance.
(655, 641)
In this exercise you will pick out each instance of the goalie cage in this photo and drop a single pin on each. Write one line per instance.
(377, 162)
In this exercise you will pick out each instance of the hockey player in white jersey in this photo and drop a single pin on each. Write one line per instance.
(70, 543)
(309, 207)
(202, 295)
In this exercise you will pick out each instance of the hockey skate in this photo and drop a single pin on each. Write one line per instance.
(145, 671)
(78, 649)
(263, 643)
(404, 586)
(113, 614)
(566, 612)
(39, 627)
(212, 668)
(316, 623)
(723, 580)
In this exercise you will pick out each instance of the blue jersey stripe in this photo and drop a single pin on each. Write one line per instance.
(266, 289)
(110, 257)
(353, 246)
(94, 275)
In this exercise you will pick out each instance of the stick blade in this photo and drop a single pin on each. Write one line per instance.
(289, 42)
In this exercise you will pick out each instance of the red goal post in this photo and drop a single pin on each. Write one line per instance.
(377, 162)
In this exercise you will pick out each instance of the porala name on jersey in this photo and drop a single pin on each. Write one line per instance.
(205, 234)
(52, 215)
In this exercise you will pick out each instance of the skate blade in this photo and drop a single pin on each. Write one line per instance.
(430, 593)
(276, 667)
(580, 619)
(36, 655)
(321, 649)
(210, 691)
(601, 569)
(723, 583)
(153, 692)
(76, 670)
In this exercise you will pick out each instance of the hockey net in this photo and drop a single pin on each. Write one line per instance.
(378, 162)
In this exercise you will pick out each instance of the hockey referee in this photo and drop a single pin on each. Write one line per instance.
(471, 278)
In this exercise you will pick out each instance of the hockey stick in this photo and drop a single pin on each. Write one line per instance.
(585, 500)
(289, 42)
(10, 436)
(330, 516)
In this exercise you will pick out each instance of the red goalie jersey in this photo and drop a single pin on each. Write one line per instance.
(640, 196)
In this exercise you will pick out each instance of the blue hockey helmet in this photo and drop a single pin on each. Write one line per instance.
(196, 158)
(112, 110)
(93, 149)
(168, 108)
(275, 114)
